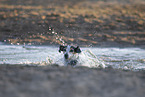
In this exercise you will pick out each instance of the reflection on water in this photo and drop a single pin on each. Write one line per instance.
(126, 58)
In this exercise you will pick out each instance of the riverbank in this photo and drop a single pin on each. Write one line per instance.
(54, 81)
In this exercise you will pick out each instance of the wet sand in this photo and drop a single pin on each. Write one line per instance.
(54, 81)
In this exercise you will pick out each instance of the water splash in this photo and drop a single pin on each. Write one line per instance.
(57, 36)
(124, 58)
(86, 58)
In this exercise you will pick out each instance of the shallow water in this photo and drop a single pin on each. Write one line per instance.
(125, 58)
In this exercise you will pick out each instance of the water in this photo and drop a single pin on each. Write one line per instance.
(125, 58)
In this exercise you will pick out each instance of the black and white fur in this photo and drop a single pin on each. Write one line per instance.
(69, 53)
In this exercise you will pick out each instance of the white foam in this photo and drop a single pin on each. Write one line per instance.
(86, 58)
(125, 58)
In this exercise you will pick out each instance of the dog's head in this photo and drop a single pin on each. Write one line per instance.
(68, 49)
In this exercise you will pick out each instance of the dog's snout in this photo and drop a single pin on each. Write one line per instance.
(66, 56)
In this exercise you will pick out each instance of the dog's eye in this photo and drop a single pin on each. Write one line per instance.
(71, 50)
(64, 49)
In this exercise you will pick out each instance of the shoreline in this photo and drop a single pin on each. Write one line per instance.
(55, 81)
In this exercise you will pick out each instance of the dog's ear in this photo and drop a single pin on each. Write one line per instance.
(60, 51)
(60, 48)
(77, 49)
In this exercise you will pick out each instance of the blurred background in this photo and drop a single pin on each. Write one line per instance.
(81, 22)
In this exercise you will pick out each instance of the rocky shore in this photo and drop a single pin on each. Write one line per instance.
(54, 81)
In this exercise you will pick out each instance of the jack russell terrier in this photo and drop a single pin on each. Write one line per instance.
(71, 54)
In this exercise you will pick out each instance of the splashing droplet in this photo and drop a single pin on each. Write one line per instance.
(18, 43)
(53, 32)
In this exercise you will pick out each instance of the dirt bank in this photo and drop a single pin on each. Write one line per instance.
(53, 81)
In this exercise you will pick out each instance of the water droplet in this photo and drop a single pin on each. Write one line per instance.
(52, 31)
(29, 43)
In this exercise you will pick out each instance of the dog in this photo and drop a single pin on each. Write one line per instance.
(70, 54)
